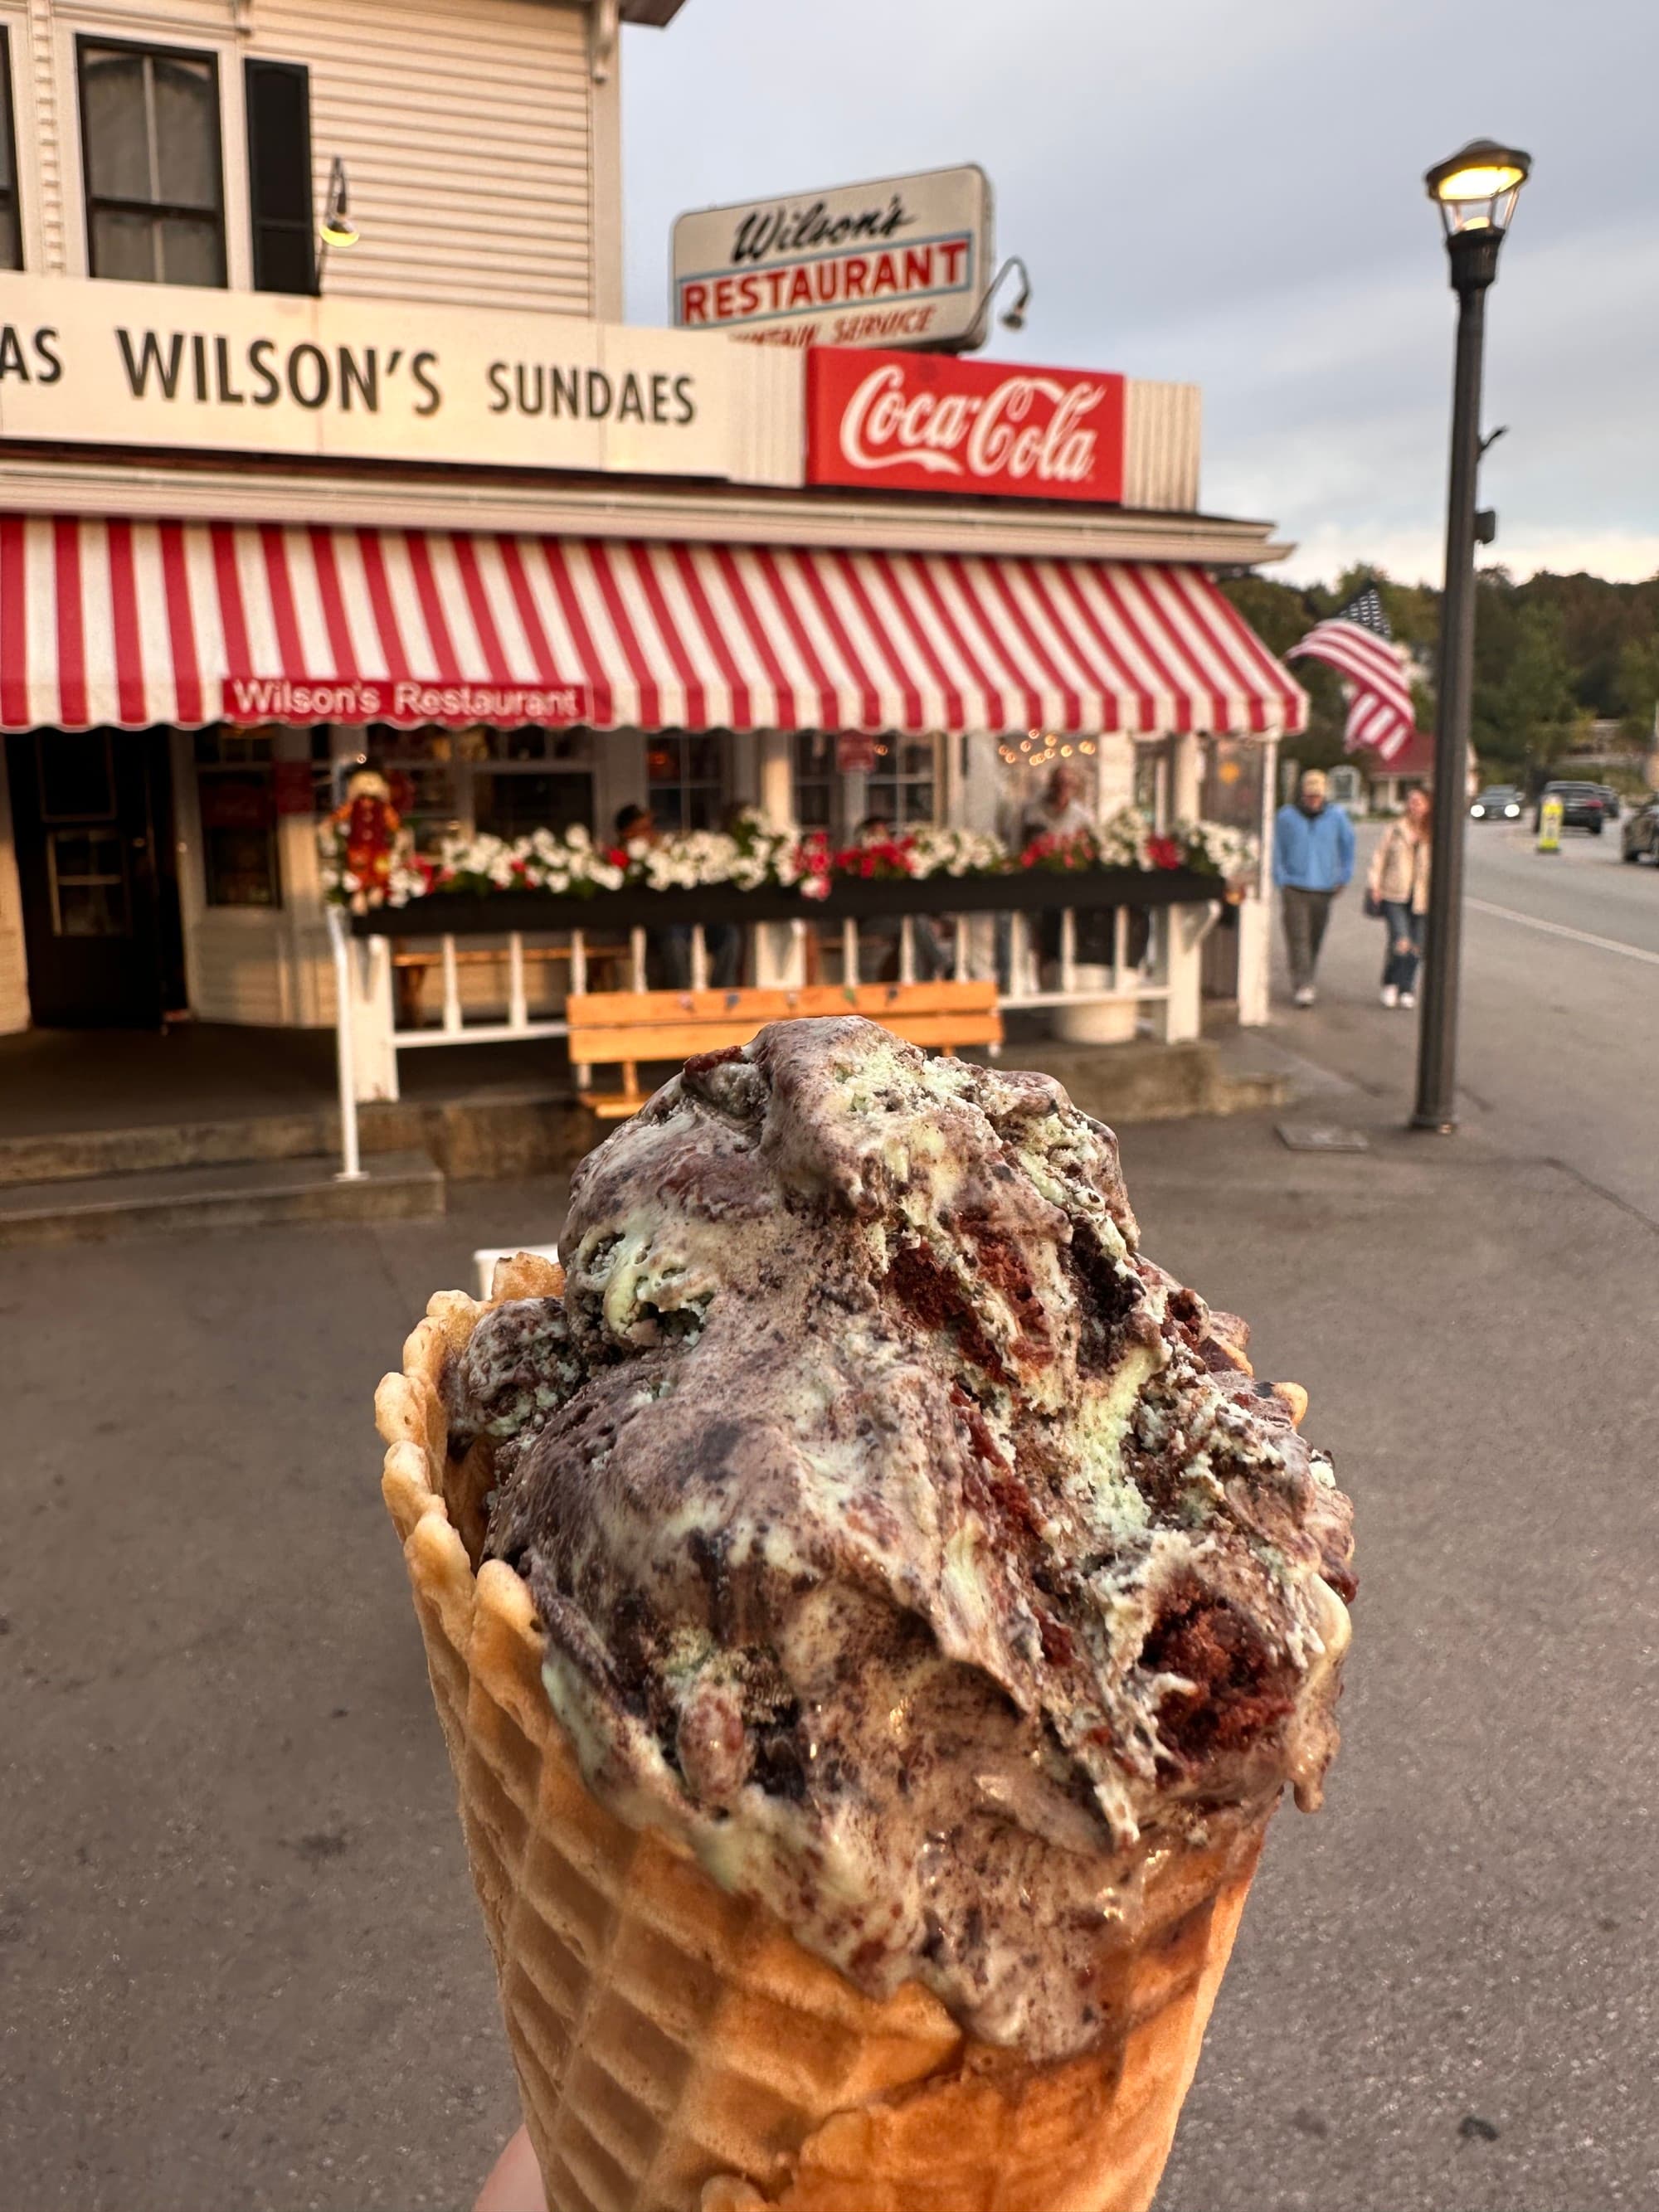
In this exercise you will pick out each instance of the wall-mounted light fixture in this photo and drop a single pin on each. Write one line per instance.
(337, 228)
(1012, 317)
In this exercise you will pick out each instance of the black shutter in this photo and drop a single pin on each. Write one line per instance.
(279, 176)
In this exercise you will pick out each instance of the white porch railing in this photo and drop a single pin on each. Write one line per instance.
(1163, 980)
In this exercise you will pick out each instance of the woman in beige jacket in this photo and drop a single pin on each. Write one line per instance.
(1399, 882)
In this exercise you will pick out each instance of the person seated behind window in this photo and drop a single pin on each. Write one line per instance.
(668, 949)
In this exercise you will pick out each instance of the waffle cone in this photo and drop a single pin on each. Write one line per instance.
(676, 2050)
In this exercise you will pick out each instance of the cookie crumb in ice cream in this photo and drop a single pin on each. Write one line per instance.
(908, 1545)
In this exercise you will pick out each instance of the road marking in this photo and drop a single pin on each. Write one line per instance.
(1560, 929)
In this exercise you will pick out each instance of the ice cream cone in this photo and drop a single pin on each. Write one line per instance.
(676, 2050)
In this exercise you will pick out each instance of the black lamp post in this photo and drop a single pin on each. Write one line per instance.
(1475, 191)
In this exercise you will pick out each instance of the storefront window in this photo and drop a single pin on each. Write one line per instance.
(422, 767)
(815, 782)
(1154, 770)
(534, 778)
(236, 799)
(1232, 782)
(903, 786)
(685, 778)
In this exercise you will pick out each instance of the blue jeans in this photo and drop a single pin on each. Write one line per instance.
(1405, 928)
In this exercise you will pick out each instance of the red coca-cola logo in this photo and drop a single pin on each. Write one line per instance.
(931, 423)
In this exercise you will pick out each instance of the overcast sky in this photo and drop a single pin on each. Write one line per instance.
(1229, 194)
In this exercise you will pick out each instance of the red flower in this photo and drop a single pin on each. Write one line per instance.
(1164, 851)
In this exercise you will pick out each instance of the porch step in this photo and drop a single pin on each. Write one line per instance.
(1123, 1084)
(479, 1135)
(67, 1155)
(241, 1194)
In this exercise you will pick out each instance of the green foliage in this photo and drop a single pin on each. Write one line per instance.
(1551, 655)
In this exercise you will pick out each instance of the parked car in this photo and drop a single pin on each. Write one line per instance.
(1640, 834)
(1613, 808)
(1499, 802)
(1582, 807)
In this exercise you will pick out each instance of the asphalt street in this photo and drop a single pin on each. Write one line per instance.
(243, 1965)
(1559, 1050)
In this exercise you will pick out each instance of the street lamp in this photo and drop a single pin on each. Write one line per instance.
(1475, 191)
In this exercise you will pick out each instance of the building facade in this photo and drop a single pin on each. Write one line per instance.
(271, 501)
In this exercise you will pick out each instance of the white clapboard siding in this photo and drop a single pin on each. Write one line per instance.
(466, 134)
(239, 971)
(1161, 434)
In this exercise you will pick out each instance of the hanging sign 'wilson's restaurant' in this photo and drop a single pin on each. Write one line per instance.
(929, 422)
(902, 261)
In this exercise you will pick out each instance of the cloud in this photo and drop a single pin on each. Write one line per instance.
(1232, 196)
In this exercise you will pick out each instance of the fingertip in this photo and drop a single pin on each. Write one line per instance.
(515, 2180)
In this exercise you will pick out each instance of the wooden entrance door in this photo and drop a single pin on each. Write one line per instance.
(92, 812)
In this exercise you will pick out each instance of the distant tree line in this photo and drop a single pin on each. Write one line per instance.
(1551, 656)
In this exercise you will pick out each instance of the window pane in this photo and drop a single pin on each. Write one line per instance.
(702, 763)
(190, 251)
(113, 117)
(663, 760)
(186, 132)
(513, 806)
(92, 910)
(77, 778)
(240, 866)
(123, 246)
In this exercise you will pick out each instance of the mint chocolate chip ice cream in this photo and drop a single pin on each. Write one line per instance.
(910, 1547)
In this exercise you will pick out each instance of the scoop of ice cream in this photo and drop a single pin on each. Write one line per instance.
(907, 1544)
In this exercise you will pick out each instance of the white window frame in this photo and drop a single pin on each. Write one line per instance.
(169, 34)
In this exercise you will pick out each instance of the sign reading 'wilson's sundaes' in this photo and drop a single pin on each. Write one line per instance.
(923, 422)
(902, 261)
(144, 365)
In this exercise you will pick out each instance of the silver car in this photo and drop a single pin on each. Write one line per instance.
(1639, 836)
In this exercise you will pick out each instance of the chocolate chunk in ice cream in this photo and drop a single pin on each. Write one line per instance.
(916, 1552)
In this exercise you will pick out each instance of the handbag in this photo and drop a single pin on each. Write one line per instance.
(1373, 905)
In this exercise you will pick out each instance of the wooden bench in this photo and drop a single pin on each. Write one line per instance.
(608, 1028)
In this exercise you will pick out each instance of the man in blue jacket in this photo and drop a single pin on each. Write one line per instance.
(1313, 858)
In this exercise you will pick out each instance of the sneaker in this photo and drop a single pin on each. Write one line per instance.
(1391, 994)
(1304, 997)
(1408, 999)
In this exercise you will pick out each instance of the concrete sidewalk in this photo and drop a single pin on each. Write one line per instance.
(244, 1966)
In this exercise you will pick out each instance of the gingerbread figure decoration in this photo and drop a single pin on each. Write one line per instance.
(371, 824)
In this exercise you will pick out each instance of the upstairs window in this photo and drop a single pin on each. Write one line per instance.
(150, 155)
(279, 176)
(11, 230)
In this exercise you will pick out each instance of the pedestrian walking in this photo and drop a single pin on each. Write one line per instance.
(1398, 884)
(1313, 860)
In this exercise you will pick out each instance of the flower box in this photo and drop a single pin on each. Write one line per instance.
(1027, 891)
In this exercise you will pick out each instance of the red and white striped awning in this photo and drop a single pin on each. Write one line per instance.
(134, 623)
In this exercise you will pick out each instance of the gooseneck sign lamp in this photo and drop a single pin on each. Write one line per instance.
(1475, 191)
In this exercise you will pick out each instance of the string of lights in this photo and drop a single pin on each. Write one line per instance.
(1041, 748)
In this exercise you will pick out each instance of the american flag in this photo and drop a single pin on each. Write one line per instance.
(1358, 642)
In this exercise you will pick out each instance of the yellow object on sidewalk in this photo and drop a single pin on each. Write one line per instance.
(1549, 826)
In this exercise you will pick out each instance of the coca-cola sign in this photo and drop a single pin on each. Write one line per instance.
(929, 422)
